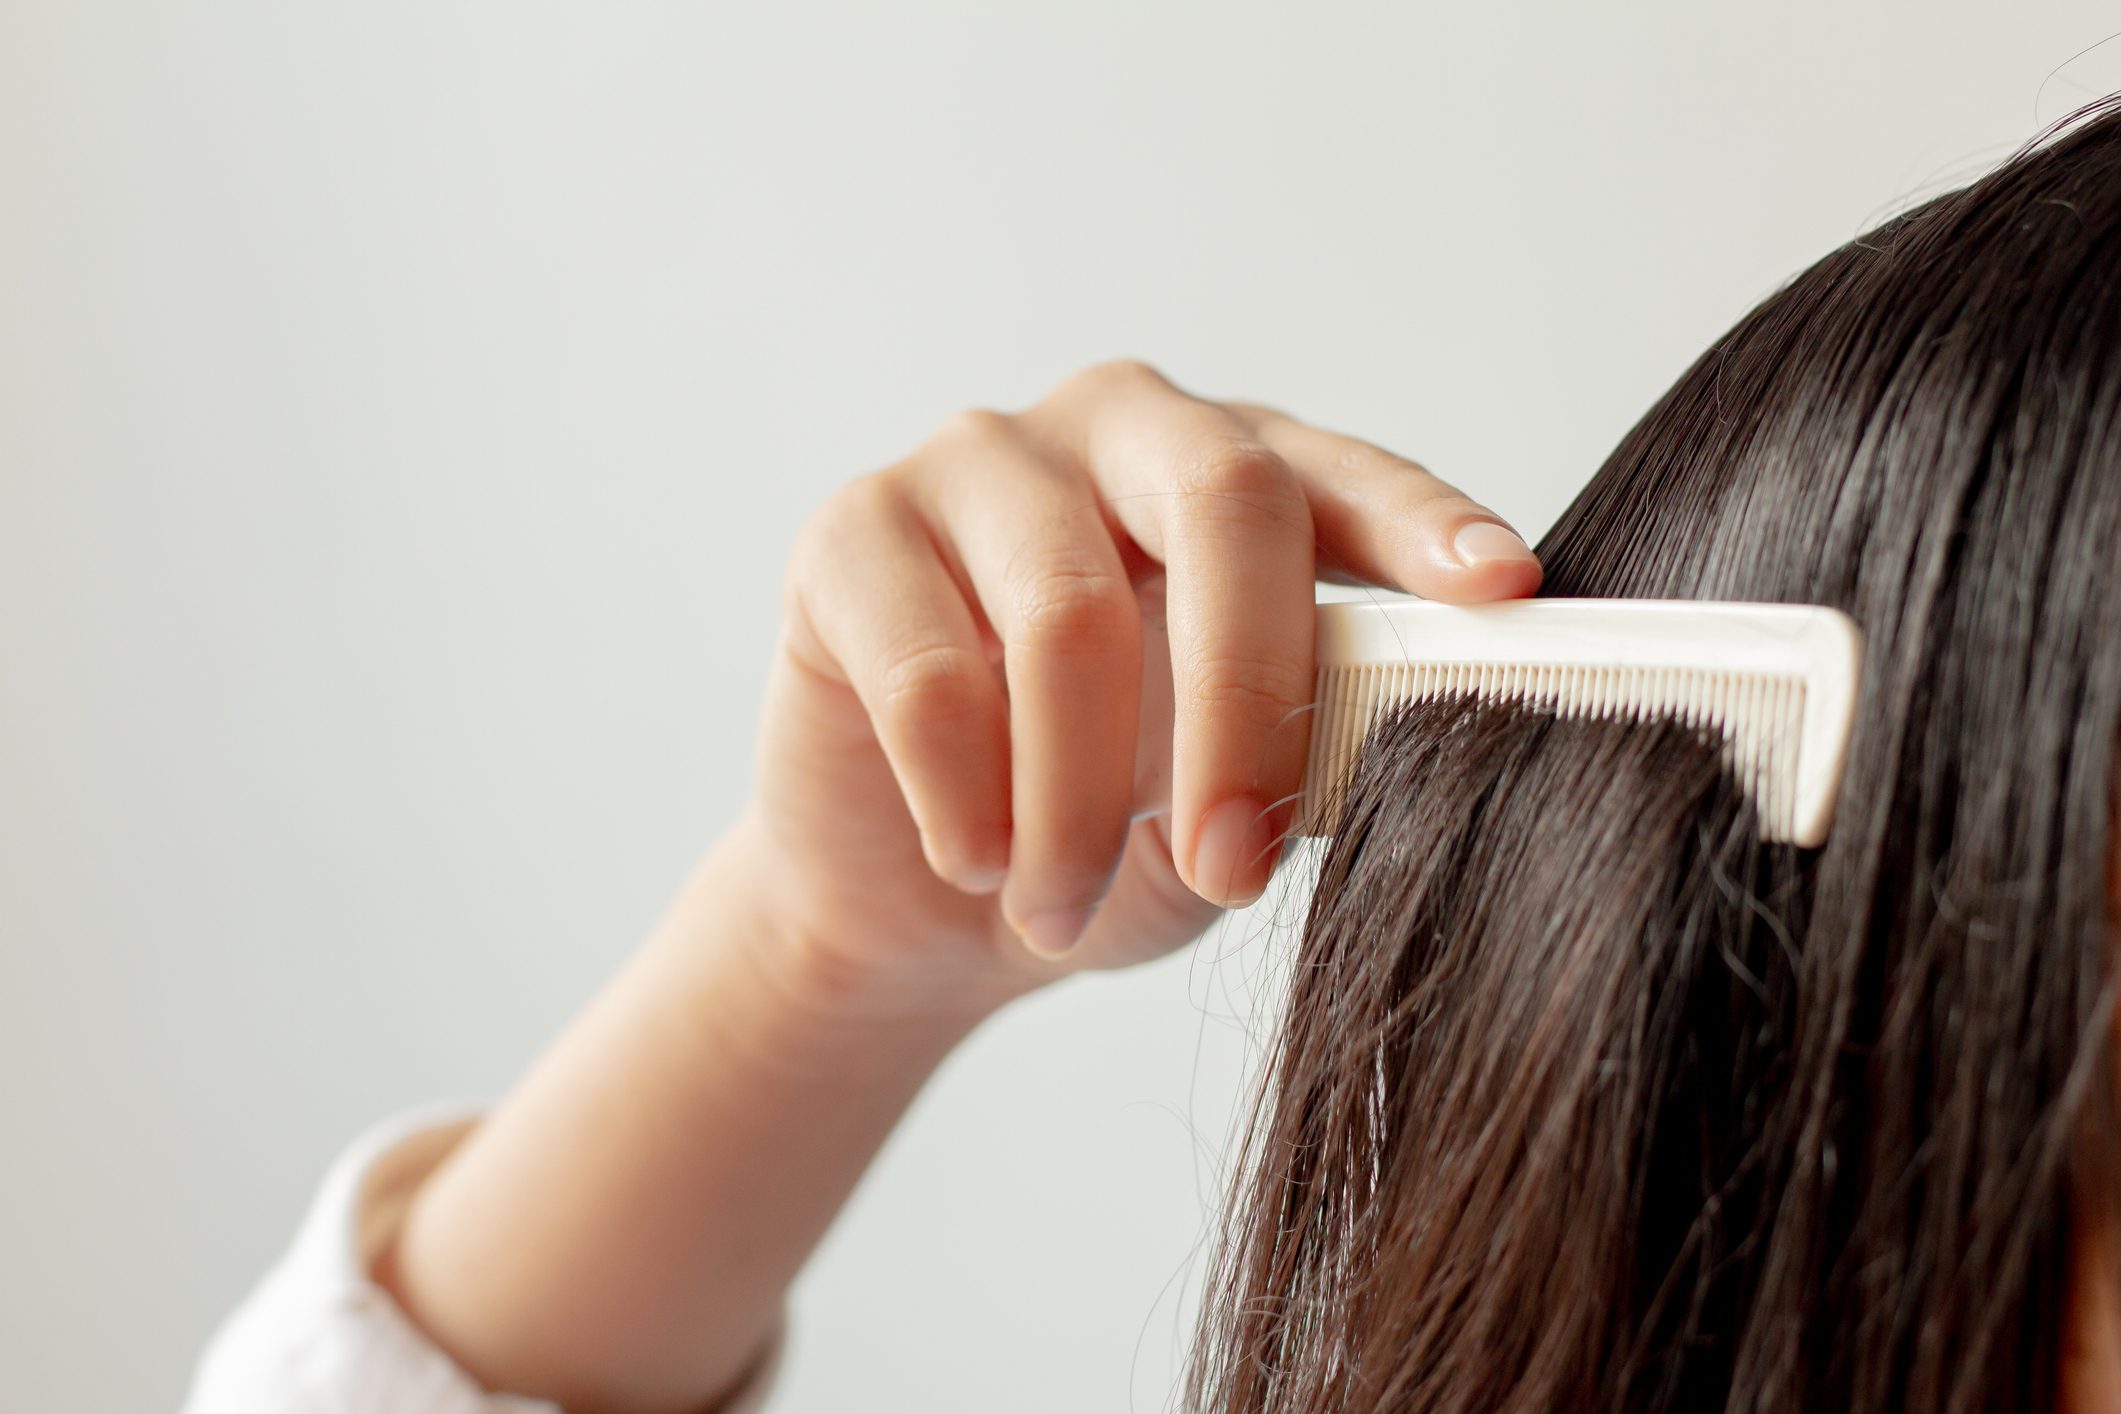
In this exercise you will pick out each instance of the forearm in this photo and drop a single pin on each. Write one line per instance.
(620, 1233)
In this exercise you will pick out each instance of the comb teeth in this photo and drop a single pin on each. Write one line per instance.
(1759, 716)
(1776, 681)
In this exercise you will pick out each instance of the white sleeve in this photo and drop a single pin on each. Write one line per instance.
(319, 1336)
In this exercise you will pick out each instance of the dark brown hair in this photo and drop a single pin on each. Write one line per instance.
(1587, 1099)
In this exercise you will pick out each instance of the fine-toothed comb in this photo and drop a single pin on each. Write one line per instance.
(1778, 681)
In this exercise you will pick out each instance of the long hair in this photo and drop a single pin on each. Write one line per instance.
(1584, 1097)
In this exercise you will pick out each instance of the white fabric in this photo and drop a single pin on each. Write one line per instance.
(318, 1336)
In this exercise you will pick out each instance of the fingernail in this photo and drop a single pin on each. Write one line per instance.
(1483, 541)
(1234, 853)
(979, 881)
(970, 874)
(1054, 932)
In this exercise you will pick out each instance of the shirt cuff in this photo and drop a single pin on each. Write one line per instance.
(319, 1336)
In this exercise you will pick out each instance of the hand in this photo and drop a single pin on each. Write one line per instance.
(995, 655)
(960, 730)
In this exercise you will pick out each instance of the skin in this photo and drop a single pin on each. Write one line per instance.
(973, 780)
(947, 787)
(2091, 1347)
(2091, 1352)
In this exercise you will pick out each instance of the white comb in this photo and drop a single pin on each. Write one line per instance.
(1778, 681)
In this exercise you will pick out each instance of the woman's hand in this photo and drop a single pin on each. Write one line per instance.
(949, 777)
(947, 783)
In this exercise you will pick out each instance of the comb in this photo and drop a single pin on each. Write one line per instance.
(1776, 681)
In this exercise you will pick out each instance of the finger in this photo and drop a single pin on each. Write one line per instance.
(1035, 545)
(1150, 909)
(1227, 517)
(1384, 520)
(884, 614)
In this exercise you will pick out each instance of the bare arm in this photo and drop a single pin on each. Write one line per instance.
(619, 1234)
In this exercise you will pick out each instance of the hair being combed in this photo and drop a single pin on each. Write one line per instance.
(1585, 1098)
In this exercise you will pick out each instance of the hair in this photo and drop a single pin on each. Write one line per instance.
(1587, 1098)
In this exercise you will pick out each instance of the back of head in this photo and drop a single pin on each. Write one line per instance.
(1586, 1098)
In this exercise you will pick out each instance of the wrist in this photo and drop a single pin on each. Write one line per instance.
(744, 914)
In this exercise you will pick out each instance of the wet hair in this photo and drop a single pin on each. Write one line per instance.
(1584, 1097)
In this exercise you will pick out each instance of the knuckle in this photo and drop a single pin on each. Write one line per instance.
(1259, 412)
(852, 508)
(1231, 686)
(930, 688)
(865, 501)
(1240, 470)
(1113, 375)
(973, 427)
(1127, 371)
(1074, 609)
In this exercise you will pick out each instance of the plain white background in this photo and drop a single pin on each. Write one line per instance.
(404, 408)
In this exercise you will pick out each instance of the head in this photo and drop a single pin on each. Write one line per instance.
(1588, 1098)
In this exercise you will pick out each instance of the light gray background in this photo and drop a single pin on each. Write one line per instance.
(404, 408)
